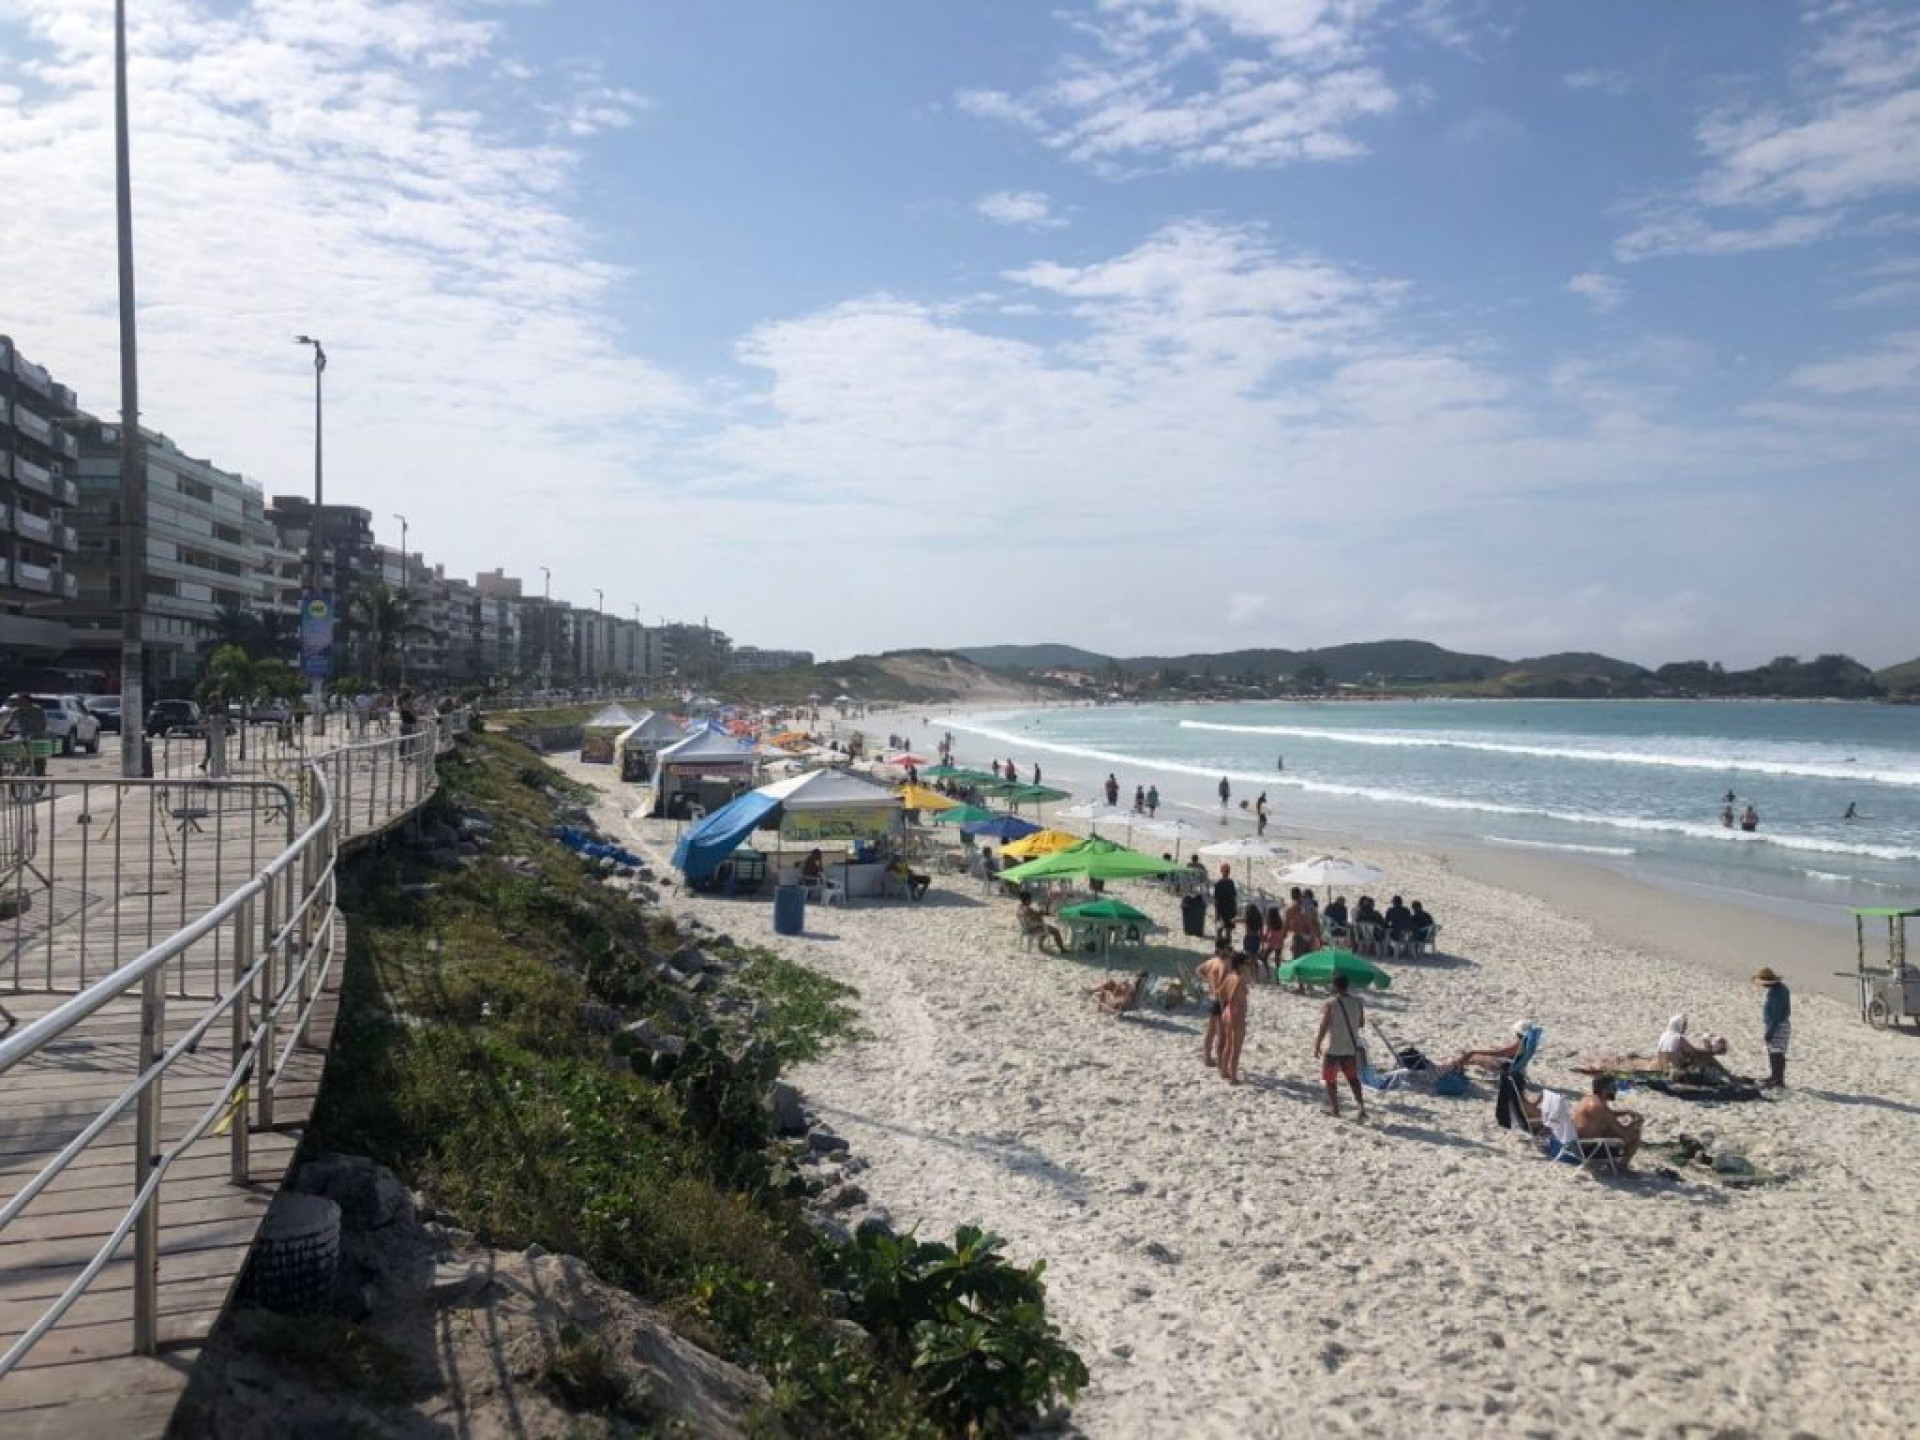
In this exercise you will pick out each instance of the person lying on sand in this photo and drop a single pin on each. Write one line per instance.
(1122, 993)
(1594, 1118)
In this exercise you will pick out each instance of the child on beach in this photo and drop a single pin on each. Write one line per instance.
(1234, 993)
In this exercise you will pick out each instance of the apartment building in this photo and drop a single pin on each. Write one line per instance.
(207, 536)
(37, 542)
(753, 658)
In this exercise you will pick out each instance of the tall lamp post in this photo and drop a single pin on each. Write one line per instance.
(317, 697)
(546, 629)
(599, 633)
(406, 588)
(133, 465)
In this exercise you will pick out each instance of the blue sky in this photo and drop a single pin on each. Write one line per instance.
(1152, 325)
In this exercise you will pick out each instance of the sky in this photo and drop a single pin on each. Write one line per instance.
(1153, 326)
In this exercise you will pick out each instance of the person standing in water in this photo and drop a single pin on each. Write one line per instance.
(1853, 811)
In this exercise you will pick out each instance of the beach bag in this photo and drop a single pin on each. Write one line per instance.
(1453, 1084)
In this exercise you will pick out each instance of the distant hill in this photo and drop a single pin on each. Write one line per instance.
(897, 675)
(1901, 679)
(1574, 663)
(1036, 657)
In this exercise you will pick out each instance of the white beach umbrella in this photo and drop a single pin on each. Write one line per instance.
(1174, 828)
(1331, 870)
(1245, 847)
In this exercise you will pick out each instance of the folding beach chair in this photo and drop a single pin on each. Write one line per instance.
(1563, 1142)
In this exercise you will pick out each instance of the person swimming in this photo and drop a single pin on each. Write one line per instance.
(1853, 811)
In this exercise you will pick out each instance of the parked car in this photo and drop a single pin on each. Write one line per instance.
(70, 724)
(270, 712)
(174, 717)
(105, 709)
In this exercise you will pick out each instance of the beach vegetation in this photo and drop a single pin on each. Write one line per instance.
(475, 1056)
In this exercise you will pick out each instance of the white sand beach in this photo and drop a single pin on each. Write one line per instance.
(1235, 1262)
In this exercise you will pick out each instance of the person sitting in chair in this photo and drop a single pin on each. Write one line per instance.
(1033, 923)
(1681, 1055)
(903, 874)
(813, 869)
(1594, 1118)
(1122, 993)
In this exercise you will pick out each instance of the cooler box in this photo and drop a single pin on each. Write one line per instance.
(789, 909)
(1193, 915)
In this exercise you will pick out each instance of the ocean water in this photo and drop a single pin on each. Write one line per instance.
(1638, 785)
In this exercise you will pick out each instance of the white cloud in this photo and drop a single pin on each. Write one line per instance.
(1892, 367)
(1604, 292)
(1605, 82)
(1230, 83)
(1028, 208)
(325, 168)
(604, 107)
(1789, 173)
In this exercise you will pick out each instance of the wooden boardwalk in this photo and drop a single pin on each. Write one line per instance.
(82, 1379)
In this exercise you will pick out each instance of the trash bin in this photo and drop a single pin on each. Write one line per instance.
(1193, 915)
(789, 909)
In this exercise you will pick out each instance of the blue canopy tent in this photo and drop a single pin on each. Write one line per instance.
(708, 843)
(820, 805)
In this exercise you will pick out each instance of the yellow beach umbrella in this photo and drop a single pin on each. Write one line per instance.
(919, 797)
(1041, 842)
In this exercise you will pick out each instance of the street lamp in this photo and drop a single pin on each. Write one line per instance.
(133, 506)
(546, 629)
(406, 584)
(321, 663)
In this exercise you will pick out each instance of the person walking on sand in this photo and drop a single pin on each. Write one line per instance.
(1113, 791)
(1260, 813)
(1036, 772)
(1226, 792)
(1139, 799)
(1153, 800)
(1336, 1045)
(1213, 972)
(1234, 993)
(1226, 902)
(1776, 1020)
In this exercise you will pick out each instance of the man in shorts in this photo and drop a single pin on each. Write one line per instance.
(1336, 1045)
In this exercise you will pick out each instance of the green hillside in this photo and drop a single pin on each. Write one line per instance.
(1901, 679)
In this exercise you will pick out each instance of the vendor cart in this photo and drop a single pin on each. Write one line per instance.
(1889, 986)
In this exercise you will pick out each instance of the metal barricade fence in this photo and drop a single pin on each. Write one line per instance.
(252, 906)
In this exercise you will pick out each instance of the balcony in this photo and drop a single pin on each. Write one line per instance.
(66, 443)
(65, 537)
(32, 376)
(6, 519)
(34, 527)
(29, 576)
(6, 572)
(69, 586)
(33, 477)
(64, 400)
(33, 424)
(65, 491)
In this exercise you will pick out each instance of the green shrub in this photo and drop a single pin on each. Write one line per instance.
(971, 1325)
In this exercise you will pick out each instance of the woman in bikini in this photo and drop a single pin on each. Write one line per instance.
(1234, 992)
(1273, 943)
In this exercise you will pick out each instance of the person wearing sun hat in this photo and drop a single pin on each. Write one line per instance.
(1776, 1019)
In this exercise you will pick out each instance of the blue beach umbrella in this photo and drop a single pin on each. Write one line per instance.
(1003, 827)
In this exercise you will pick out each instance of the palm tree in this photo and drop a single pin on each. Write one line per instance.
(261, 634)
(388, 618)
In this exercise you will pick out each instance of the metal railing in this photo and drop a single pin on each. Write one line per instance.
(258, 958)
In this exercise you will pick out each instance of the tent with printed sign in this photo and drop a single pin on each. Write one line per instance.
(635, 748)
(705, 771)
(598, 735)
(821, 807)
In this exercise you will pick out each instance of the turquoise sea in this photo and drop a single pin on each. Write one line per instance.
(1634, 784)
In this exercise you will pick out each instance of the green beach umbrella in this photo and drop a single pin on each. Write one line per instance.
(1321, 966)
(964, 815)
(1038, 794)
(1106, 911)
(941, 772)
(1095, 859)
